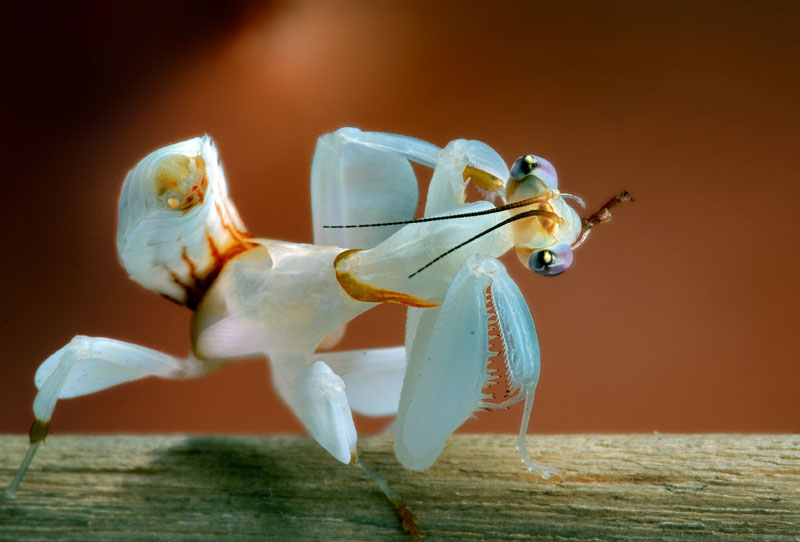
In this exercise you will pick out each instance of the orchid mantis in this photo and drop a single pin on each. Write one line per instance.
(181, 236)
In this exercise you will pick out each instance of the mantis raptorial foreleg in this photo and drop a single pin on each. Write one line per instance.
(444, 382)
(365, 178)
(355, 179)
(447, 370)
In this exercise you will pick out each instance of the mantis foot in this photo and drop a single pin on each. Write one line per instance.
(408, 520)
(543, 470)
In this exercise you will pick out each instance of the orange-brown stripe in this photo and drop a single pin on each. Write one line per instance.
(364, 292)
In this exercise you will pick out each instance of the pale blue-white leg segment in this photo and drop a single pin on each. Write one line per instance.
(457, 163)
(365, 178)
(448, 359)
(411, 148)
(354, 181)
(447, 346)
(90, 364)
(372, 378)
(542, 470)
(323, 392)
(321, 395)
(478, 155)
(444, 380)
(317, 397)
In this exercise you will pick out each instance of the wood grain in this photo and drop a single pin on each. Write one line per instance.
(617, 487)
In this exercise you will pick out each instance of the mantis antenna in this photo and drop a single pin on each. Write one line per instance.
(598, 217)
(522, 203)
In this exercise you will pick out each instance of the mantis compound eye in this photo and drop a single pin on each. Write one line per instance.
(551, 261)
(530, 164)
(524, 166)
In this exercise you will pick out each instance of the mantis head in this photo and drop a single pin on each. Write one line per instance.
(543, 240)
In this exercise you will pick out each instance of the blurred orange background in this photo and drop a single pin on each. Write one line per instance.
(677, 316)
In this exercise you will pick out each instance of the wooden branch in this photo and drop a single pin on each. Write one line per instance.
(617, 487)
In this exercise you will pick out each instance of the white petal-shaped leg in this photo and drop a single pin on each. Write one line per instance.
(444, 381)
(317, 397)
(358, 179)
(365, 178)
(372, 378)
(479, 155)
(90, 364)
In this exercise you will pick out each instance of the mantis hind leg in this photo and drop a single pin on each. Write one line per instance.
(322, 392)
(408, 520)
(11, 490)
(87, 365)
(323, 387)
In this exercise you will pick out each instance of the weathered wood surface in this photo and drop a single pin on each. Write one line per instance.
(625, 487)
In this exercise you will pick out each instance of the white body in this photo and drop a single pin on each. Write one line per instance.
(180, 235)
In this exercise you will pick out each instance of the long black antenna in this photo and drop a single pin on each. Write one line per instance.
(526, 214)
(523, 203)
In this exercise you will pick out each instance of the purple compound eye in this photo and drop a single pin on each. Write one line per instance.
(551, 261)
(530, 164)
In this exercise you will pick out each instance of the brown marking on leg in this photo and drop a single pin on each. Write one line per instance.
(408, 520)
(362, 291)
(38, 430)
(192, 267)
(235, 233)
(212, 246)
(199, 281)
